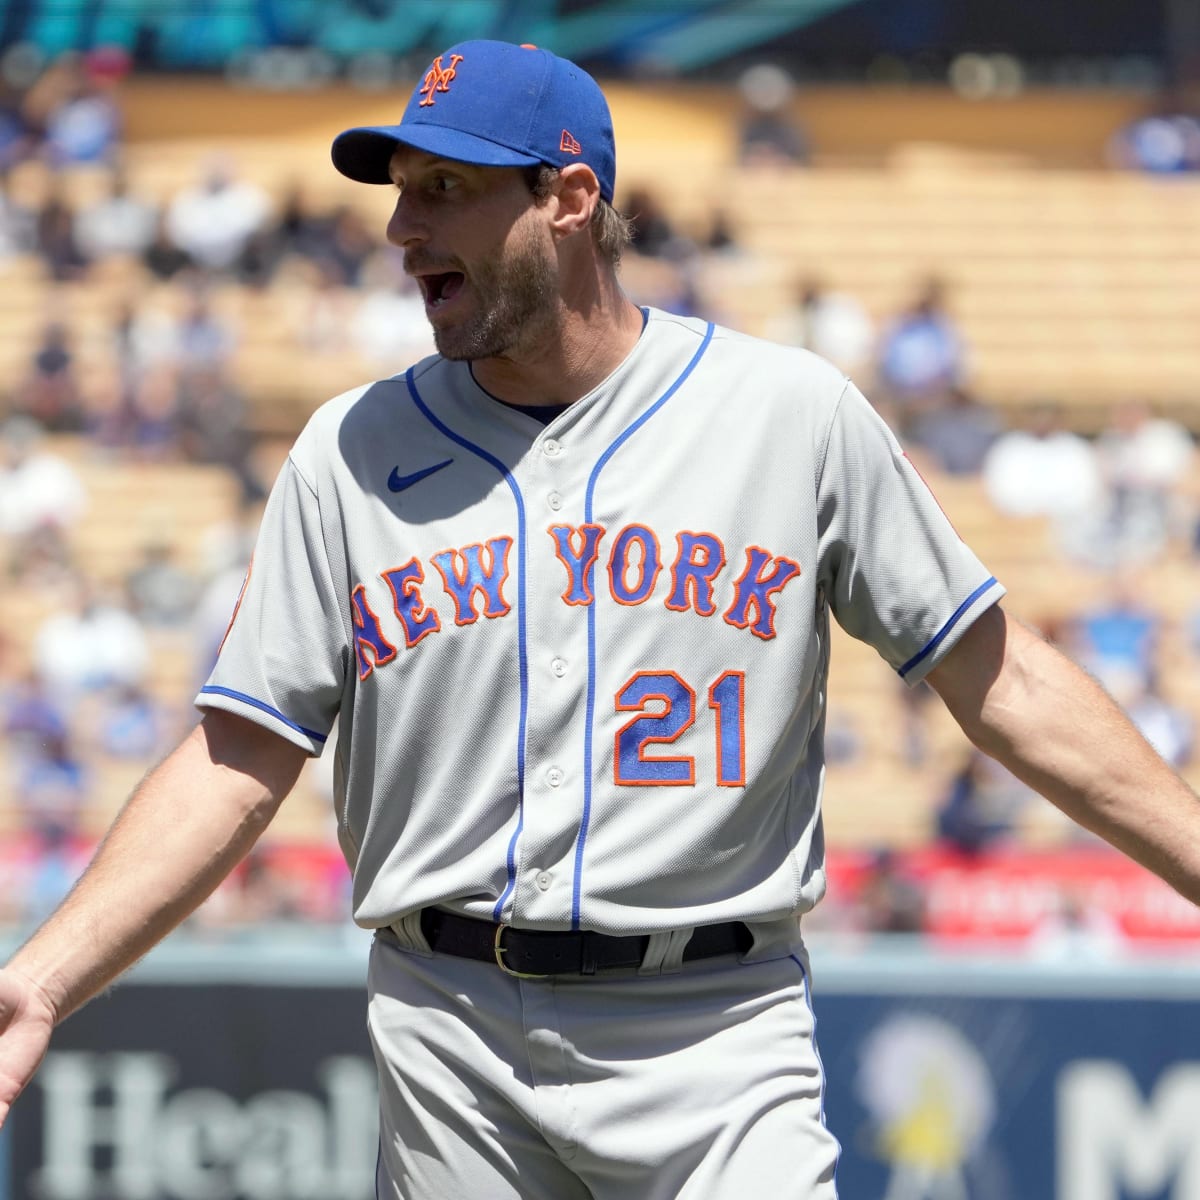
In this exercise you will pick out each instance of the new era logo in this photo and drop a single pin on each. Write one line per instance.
(438, 78)
(568, 145)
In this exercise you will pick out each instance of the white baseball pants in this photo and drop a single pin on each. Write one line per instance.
(699, 1085)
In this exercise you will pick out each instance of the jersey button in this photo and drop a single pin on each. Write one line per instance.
(551, 448)
(559, 667)
(543, 880)
(554, 500)
(554, 777)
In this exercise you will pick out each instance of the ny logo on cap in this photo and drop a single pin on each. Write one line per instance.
(437, 78)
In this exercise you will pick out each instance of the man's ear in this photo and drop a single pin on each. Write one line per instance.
(577, 192)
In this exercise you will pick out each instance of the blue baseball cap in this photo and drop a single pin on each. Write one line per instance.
(493, 104)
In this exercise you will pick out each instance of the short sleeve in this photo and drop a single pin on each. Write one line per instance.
(894, 570)
(283, 661)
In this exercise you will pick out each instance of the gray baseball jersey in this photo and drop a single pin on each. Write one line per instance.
(579, 670)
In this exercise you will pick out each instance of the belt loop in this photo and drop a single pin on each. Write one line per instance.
(411, 936)
(664, 954)
(587, 954)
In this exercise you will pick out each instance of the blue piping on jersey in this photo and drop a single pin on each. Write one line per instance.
(213, 690)
(522, 663)
(940, 636)
(588, 509)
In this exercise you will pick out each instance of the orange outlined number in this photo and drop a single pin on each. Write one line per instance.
(632, 767)
(727, 698)
(666, 708)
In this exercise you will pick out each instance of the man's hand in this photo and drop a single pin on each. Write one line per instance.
(26, 1022)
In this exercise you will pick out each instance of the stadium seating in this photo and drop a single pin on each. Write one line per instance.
(1069, 282)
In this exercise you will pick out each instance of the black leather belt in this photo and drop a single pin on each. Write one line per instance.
(534, 953)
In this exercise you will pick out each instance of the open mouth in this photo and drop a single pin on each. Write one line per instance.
(441, 287)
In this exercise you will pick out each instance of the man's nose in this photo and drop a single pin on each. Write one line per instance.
(404, 229)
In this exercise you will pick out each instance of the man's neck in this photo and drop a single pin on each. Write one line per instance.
(568, 362)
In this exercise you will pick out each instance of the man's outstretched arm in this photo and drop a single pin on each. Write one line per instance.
(186, 826)
(1028, 706)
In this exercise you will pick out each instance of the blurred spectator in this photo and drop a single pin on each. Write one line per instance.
(143, 337)
(270, 892)
(18, 141)
(85, 124)
(321, 307)
(1075, 927)
(347, 240)
(134, 415)
(1163, 142)
(1142, 459)
(212, 428)
(1168, 727)
(18, 225)
(957, 433)
(654, 233)
(45, 561)
(768, 134)
(721, 236)
(129, 723)
(109, 416)
(1045, 470)
(33, 717)
(161, 594)
(832, 324)
(843, 740)
(40, 492)
(980, 805)
(56, 858)
(1117, 638)
(121, 223)
(389, 325)
(154, 429)
(299, 229)
(52, 784)
(889, 900)
(921, 354)
(162, 257)
(55, 240)
(213, 220)
(204, 342)
(50, 393)
(94, 645)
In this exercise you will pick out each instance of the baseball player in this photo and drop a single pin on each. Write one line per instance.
(566, 586)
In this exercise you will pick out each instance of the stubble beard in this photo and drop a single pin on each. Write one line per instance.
(516, 298)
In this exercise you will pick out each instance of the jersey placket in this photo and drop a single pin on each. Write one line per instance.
(557, 666)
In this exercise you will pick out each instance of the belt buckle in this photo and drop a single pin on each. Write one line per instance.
(499, 950)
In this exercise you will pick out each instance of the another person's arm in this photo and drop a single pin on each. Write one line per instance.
(186, 826)
(1028, 706)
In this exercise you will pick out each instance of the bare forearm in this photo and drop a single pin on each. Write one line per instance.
(1057, 730)
(184, 829)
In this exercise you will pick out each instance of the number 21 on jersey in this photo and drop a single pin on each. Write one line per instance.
(665, 706)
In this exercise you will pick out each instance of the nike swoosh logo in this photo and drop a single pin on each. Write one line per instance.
(400, 483)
